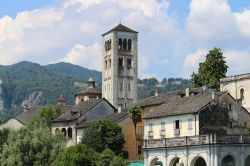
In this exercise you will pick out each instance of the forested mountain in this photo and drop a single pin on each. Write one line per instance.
(21, 80)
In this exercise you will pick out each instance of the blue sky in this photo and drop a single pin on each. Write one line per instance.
(174, 35)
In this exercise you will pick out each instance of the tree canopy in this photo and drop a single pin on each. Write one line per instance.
(104, 134)
(211, 70)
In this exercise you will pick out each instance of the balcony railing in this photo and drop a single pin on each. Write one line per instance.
(196, 140)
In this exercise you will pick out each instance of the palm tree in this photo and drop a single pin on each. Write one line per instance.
(135, 115)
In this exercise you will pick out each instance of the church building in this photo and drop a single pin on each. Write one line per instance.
(120, 66)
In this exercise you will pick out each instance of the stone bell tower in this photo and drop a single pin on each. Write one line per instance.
(120, 66)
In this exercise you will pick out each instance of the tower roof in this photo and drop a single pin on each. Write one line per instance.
(61, 99)
(120, 28)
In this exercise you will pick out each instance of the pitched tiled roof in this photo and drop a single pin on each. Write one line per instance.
(120, 28)
(116, 118)
(27, 116)
(81, 108)
(61, 99)
(183, 105)
(164, 97)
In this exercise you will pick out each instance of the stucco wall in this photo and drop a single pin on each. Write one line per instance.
(234, 87)
(12, 123)
(169, 126)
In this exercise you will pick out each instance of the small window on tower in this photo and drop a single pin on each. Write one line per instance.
(121, 86)
(105, 64)
(129, 63)
(129, 44)
(124, 44)
(109, 63)
(129, 87)
(109, 44)
(120, 62)
(120, 44)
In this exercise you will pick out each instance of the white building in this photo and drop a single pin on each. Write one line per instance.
(197, 129)
(119, 56)
(239, 87)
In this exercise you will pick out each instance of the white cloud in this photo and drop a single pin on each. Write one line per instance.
(192, 60)
(88, 56)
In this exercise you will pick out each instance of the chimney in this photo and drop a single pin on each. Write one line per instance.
(119, 109)
(157, 92)
(187, 92)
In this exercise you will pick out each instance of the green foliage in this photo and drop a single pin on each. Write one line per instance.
(4, 133)
(108, 158)
(26, 147)
(104, 134)
(22, 79)
(77, 155)
(47, 114)
(211, 70)
(135, 114)
(247, 130)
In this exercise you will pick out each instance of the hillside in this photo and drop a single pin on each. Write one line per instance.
(22, 79)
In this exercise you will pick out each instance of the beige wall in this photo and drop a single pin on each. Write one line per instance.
(170, 125)
(12, 123)
(233, 87)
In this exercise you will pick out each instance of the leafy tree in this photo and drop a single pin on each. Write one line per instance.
(4, 133)
(135, 114)
(108, 158)
(77, 155)
(211, 70)
(26, 147)
(104, 134)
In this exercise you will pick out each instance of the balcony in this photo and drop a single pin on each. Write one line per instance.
(196, 140)
(162, 133)
(176, 131)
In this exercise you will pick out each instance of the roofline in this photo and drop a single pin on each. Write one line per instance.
(235, 78)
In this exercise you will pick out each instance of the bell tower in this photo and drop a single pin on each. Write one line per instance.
(120, 66)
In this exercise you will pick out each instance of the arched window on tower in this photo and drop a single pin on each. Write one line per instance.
(109, 44)
(69, 132)
(120, 43)
(129, 44)
(120, 63)
(124, 44)
(241, 93)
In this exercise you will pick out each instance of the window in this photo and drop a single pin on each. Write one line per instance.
(129, 87)
(129, 44)
(229, 106)
(105, 64)
(241, 93)
(189, 123)
(70, 132)
(109, 47)
(150, 127)
(177, 124)
(163, 126)
(124, 44)
(109, 63)
(231, 124)
(129, 63)
(120, 63)
(120, 44)
(139, 130)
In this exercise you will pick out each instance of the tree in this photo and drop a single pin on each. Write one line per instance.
(26, 147)
(135, 114)
(104, 134)
(77, 155)
(4, 133)
(108, 158)
(211, 70)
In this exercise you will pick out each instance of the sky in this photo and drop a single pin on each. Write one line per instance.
(174, 35)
